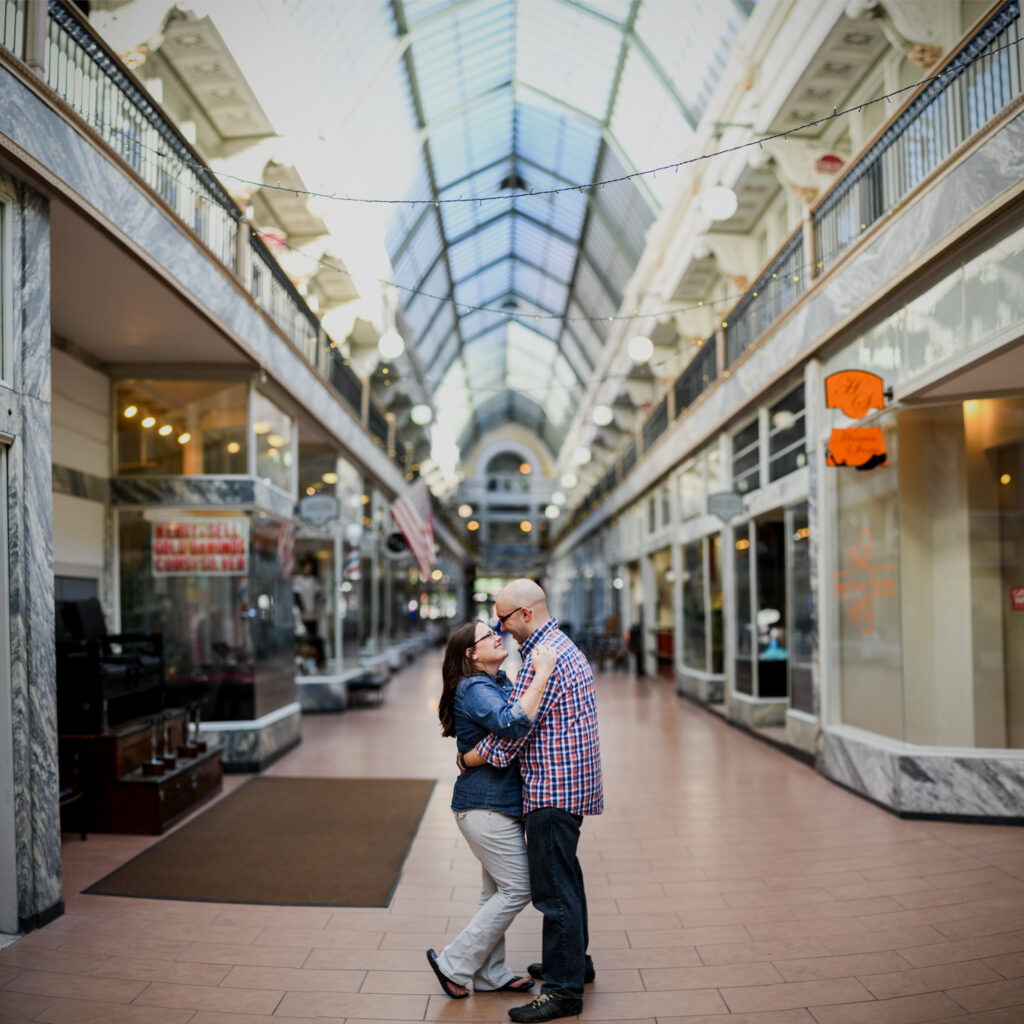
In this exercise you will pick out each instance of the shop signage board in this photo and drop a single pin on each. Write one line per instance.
(725, 505)
(856, 393)
(318, 509)
(201, 547)
(1017, 599)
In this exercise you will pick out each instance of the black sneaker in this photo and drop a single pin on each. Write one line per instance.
(547, 1006)
(537, 971)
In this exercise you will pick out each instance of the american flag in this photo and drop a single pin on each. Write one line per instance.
(413, 516)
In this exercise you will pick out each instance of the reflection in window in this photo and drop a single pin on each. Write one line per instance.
(801, 615)
(695, 649)
(175, 428)
(746, 459)
(272, 429)
(787, 435)
(744, 625)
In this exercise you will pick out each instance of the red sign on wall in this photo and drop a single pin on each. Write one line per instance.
(1017, 599)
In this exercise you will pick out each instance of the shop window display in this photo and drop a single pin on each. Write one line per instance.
(272, 435)
(216, 584)
(175, 428)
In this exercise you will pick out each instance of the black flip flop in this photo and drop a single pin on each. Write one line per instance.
(511, 986)
(445, 982)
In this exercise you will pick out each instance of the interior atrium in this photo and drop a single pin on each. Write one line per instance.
(322, 320)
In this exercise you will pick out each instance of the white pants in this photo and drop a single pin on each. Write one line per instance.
(477, 954)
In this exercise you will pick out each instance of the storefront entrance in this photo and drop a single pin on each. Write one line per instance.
(8, 866)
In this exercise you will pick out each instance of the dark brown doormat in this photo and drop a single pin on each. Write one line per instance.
(299, 842)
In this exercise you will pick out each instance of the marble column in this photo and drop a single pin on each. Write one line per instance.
(30, 566)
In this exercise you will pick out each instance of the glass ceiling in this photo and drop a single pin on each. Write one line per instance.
(505, 300)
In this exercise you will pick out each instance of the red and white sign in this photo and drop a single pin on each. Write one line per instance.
(201, 547)
(1017, 599)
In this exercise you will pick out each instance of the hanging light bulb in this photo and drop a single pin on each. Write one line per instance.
(640, 349)
(391, 345)
(465, 511)
(569, 481)
(582, 456)
(719, 202)
(603, 415)
(552, 511)
(558, 498)
(421, 415)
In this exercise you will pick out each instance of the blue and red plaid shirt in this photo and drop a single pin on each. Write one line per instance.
(560, 757)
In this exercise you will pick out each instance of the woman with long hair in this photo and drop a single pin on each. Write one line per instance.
(476, 699)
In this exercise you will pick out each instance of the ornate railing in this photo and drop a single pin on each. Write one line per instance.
(780, 284)
(977, 82)
(656, 424)
(12, 26)
(697, 377)
(80, 69)
(91, 79)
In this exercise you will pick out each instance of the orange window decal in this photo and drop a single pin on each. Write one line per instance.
(855, 392)
(862, 581)
(861, 447)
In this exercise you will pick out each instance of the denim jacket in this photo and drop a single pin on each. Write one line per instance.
(483, 705)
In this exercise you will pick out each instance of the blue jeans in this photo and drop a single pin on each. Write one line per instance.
(556, 885)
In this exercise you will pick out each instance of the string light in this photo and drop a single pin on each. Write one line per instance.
(437, 201)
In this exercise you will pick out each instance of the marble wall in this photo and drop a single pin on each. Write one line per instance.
(33, 712)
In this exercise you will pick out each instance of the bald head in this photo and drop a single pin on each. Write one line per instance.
(523, 606)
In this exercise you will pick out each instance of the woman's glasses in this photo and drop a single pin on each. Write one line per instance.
(489, 635)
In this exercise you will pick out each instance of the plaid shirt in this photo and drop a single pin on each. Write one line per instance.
(560, 757)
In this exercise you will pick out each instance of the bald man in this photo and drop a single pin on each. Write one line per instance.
(560, 760)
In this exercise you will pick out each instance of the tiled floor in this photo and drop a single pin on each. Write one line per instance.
(726, 882)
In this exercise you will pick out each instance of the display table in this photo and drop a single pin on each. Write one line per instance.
(141, 776)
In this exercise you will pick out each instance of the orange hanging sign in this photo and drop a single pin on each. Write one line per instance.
(855, 392)
(861, 447)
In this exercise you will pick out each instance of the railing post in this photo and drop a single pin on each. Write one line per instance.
(243, 254)
(810, 246)
(37, 17)
(720, 348)
(322, 350)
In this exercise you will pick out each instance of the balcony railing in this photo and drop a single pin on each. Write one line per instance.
(980, 80)
(977, 82)
(91, 79)
(12, 26)
(781, 283)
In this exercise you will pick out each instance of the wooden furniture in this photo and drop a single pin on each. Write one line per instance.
(141, 776)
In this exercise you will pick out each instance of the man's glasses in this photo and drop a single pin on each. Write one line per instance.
(489, 635)
(508, 615)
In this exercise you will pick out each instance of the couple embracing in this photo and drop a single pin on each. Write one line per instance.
(530, 769)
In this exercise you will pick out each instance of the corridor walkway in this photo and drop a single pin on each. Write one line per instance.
(726, 882)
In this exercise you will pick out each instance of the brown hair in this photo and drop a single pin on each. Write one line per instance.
(455, 668)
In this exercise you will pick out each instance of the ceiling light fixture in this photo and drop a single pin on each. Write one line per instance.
(421, 414)
(718, 202)
(149, 421)
(558, 497)
(165, 430)
(184, 438)
(640, 349)
(130, 411)
(552, 511)
(582, 456)
(465, 511)
(569, 481)
(329, 478)
(603, 415)
(391, 345)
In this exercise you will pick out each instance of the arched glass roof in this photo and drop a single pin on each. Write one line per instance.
(500, 97)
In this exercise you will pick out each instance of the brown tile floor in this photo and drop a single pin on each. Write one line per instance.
(726, 882)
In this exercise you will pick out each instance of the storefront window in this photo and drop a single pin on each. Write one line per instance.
(174, 428)
(746, 459)
(770, 618)
(272, 430)
(866, 591)
(744, 664)
(801, 611)
(695, 644)
(787, 435)
(714, 546)
(213, 584)
(691, 491)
